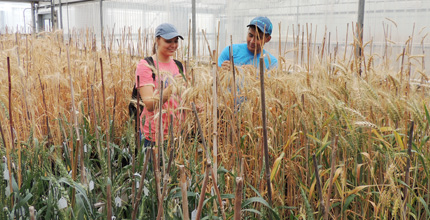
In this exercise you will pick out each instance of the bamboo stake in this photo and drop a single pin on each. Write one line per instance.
(218, 194)
(199, 126)
(9, 149)
(323, 44)
(142, 179)
(401, 71)
(46, 113)
(295, 49)
(203, 191)
(108, 185)
(346, 41)
(32, 213)
(183, 184)
(189, 38)
(286, 41)
(235, 99)
(209, 47)
(160, 118)
(137, 139)
(79, 145)
(238, 198)
(332, 171)
(157, 174)
(208, 168)
(317, 176)
(308, 41)
(217, 46)
(266, 147)
(94, 122)
(302, 48)
(408, 166)
(279, 48)
(165, 181)
(215, 120)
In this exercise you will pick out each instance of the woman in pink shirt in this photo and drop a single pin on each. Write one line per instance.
(166, 43)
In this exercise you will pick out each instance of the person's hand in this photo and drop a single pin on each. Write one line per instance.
(226, 65)
(167, 92)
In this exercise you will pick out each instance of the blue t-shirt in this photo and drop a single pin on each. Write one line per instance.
(242, 56)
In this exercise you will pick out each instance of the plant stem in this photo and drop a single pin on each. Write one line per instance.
(317, 176)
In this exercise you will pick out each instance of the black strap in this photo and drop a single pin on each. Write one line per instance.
(150, 61)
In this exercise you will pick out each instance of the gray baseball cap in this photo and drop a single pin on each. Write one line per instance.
(167, 31)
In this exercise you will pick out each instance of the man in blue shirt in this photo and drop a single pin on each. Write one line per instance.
(249, 53)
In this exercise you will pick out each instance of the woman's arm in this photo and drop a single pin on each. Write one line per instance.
(148, 96)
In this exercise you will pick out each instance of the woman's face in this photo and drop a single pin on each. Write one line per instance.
(167, 47)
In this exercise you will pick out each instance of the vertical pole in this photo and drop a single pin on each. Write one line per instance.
(194, 26)
(266, 147)
(297, 12)
(52, 15)
(101, 23)
(33, 17)
(61, 14)
(360, 25)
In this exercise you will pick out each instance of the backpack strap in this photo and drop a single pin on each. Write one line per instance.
(180, 67)
(150, 61)
(178, 63)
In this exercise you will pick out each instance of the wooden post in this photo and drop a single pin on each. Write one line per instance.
(183, 183)
(194, 26)
(266, 147)
(360, 26)
(238, 198)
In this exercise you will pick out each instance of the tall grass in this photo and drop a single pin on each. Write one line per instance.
(358, 128)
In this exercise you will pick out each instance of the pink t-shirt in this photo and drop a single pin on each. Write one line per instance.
(169, 107)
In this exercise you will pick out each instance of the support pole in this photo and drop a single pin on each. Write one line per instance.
(194, 26)
(61, 14)
(52, 15)
(33, 17)
(360, 21)
(101, 24)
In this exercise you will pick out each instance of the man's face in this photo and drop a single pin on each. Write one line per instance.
(255, 41)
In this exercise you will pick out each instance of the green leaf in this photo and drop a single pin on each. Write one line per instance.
(348, 201)
(403, 183)
(255, 199)
(427, 113)
(253, 211)
(425, 205)
(25, 199)
(309, 212)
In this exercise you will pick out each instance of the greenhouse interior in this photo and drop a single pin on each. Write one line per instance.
(214, 109)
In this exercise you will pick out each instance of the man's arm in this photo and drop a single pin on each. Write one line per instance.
(224, 56)
(273, 63)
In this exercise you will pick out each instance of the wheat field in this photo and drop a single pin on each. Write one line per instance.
(347, 135)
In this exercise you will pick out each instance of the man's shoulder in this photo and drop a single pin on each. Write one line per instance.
(240, 46)
(271, 55)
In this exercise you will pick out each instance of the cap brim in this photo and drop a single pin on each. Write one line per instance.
(171, 35)
(257, 27)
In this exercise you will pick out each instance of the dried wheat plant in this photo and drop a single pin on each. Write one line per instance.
(306, 109)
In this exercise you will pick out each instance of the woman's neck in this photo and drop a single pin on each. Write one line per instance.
(162, 58)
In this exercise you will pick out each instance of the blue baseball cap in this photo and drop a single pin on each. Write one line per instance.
(263, 24)
(167, 31)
